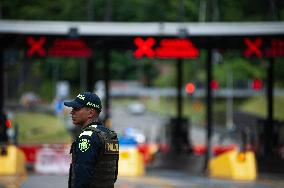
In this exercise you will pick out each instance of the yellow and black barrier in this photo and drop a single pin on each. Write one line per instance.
(234, 165)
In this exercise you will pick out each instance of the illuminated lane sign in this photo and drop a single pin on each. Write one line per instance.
(276, 48)
(167, 48)
(40, 47)
(253, 47)
(176, 48)
(69, 48)
(36, 46)
(144, 47)
(258, 48)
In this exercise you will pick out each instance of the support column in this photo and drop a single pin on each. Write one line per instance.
(90, 75)
(269, 126)
(106, 80)
(179, 91)
(209, 107)
(1, 81)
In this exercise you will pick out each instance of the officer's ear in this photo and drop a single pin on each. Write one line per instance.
(92, 112)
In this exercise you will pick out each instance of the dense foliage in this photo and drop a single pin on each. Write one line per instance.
(138, 10)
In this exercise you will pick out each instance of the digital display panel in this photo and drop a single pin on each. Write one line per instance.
(259, 48)
(59, 47)
(166, 48)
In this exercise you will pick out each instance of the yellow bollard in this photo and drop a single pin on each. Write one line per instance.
(13, 163)
(234, 165)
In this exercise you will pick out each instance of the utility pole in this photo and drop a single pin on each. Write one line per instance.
(1, 80)
(202, 11)
(90, 10)
(181, 11)
(88, 64)
(213, 13)
(229, 111)
(108, 10)
(107, 61)
(274, 13)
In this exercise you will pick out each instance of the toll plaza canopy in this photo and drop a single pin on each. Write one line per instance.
(153, 40)
(141, 29)
(122, 35)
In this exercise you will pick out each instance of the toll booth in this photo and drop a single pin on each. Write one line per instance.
(156, 40)
(269, 150)
(270, 146)
(178, 134)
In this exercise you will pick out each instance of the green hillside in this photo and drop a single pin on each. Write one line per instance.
(40, 128)
(258, 106)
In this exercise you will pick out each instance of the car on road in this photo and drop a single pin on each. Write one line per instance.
(135, 133)
(136, 108)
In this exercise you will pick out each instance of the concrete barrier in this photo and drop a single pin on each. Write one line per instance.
(13, 162)
(131, 162)
(234, 165)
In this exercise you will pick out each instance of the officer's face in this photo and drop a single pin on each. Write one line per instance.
(79, 116)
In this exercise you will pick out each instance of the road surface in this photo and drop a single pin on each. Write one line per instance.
(157, 179)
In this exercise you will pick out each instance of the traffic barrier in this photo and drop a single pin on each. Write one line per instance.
(13, 162)
(148, 152)
(30, 153)
(234, 165)
(219, 149)
(200, 149)
(131, 161)
(53, 160)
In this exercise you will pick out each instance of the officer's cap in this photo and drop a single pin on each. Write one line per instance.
(85, 99)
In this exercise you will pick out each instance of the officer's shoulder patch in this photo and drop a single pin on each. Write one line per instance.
(84, 144)
(111, 147)
(87, 133)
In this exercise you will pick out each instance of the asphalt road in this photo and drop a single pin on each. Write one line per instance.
(152, 125)
(154, 179)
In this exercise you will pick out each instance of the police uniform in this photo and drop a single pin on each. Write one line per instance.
(95, 151)
(94, 158)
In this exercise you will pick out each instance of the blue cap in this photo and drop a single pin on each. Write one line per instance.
(86, 99)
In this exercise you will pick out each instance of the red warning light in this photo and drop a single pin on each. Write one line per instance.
(190, 88)
(214, 84)
(257, 84)
(8, 123)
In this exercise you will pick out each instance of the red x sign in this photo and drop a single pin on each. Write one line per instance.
(36, 46)
(144, 47)
(253, 47)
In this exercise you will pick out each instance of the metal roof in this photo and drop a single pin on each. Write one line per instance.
(142, 28)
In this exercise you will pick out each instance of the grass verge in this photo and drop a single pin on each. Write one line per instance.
(36, 128)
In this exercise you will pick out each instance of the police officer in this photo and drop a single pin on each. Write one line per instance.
(95, 150)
